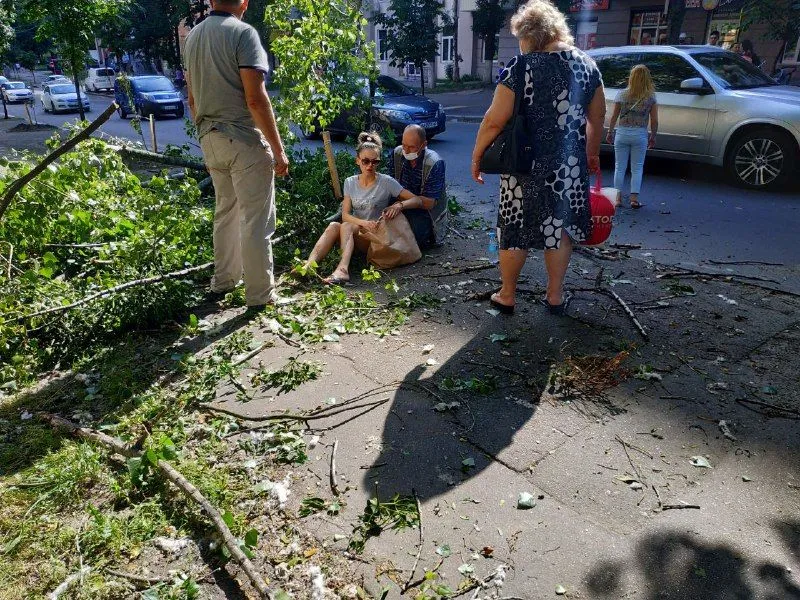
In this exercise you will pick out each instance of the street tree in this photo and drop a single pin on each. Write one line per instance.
(487, 21)
(324, 59)
(782, 18)
(6, 37)
(72, 26)
(413, 29)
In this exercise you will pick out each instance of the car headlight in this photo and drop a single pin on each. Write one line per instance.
(394, 114)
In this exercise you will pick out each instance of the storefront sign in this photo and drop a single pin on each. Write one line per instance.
(588, 5)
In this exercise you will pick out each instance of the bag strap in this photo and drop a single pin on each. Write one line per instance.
(520, 83)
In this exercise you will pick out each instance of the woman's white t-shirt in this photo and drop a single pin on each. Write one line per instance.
(368, 203)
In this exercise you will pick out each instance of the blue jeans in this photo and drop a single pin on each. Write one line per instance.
(629, 142)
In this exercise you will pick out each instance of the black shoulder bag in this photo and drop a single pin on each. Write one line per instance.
(512, 150)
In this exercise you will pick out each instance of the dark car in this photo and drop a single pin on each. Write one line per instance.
(148, 95)
(395, 105)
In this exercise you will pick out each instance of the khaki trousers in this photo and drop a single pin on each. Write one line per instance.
(244, 219)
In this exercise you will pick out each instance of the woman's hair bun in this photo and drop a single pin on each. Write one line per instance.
(370, 137)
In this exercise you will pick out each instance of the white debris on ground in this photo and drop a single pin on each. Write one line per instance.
(170, 545)
(278, 490)
(317, 583)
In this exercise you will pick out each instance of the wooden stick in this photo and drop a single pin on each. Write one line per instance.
(53, 156)
(175, 161)
(678, 506)
(627, 310)
(116, 289)
(326, 142)
(791, 411)
(407, 586)
(176, 478)
(334, 487)
(154, 143)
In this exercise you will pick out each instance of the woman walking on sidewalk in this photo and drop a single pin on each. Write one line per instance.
(546, 208)
(634, 107)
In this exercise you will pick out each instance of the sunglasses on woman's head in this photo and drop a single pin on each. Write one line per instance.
(370, 161)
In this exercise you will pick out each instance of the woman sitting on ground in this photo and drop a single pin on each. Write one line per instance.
(366, 200)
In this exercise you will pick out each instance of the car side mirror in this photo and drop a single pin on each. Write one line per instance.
(695, 85)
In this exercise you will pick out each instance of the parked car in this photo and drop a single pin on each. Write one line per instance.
(56, 79)
(3, 81)
(58, 97)
(16, 91)
(715, 107)
(100, 79)
(394, 106)
(149, 94)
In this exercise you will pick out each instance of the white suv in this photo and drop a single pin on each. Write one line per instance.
(101, 78)
(716, 108)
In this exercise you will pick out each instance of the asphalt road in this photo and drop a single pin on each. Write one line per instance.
(691, 213)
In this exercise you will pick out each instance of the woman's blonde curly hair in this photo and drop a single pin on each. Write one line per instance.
(540, 23)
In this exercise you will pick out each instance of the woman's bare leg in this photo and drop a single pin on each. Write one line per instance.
(347, 233)
(324, 244)
(511, 263)
(556, 263)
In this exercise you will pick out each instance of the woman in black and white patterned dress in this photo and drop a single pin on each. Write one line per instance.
(564, 100)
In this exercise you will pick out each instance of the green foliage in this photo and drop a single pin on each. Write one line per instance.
(413, 31)
(288, 378)
(782, 18)
(481, 385)
(454, 207)
(83, 226)
(282, 443)
(399, 512)
(314, 504)
(324, 59)
(488, 20)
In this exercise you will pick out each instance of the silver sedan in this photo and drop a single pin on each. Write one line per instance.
(715, 107)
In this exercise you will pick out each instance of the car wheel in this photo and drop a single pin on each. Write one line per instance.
(140, 111)
(123, 114)
(761, 158)
(44, 107)
(180, 113)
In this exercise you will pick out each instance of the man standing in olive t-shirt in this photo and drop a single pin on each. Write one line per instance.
(225, 66)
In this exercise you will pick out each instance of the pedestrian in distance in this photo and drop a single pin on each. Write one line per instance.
(225, 65)
(562, 98)
(749, 53)
(634, 108)
(367, 198)
(713, 38)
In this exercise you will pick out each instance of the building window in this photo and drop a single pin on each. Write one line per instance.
(382, 49)
(586, 34)
(448, 50)
(485, 51)
(648, 27)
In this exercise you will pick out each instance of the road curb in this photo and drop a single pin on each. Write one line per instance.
(465, 118)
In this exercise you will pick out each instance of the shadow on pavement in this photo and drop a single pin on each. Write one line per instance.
(673, 565)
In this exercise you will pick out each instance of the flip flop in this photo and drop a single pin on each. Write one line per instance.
(636, 205)
(559, 310)
(335, 281)
(503, 308)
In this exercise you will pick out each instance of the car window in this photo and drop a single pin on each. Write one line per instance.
(16, 85)
(668, 70)
(105, 72)
(730, 71)
(62, 89)
(615, 68)
(156, 84)
(386, 86)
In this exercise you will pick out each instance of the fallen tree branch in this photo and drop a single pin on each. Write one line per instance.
(334, 487)
(68, 145)
(743, 262)
(678, 506)
(468, 269)
(116, 289)
(407, 586)
(155, 157)
(767, 405)
(626, 308)
(176, 478)
(56, 594)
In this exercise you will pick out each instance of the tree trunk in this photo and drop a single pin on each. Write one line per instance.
(675, 16)
(456, 68)
(422, 77)
(76, 80)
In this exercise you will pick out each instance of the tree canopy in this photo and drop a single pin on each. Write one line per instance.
(324, 58)
(413, 29)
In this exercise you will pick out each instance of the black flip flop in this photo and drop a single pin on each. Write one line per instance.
(637, 206)
(559, 310)
(503, 308)
(336, 281)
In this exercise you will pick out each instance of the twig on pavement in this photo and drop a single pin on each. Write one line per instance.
(678, 506)
(334, 487)
(406, 587)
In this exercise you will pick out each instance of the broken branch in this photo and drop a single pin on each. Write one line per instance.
(678, 506)
(176, 478)
(55, 154)
(627, 310)
(407, 586)
(116, 289)
(334, 487)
